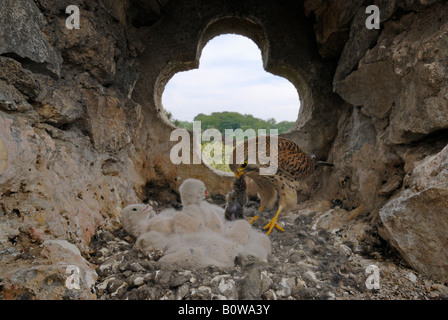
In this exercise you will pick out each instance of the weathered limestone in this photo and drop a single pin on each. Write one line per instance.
(416, 219)
(58, 272)
(22, 30)
(83, 132)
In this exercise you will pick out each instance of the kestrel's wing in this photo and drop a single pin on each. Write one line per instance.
(292, 161)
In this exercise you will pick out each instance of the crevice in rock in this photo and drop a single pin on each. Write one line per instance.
(437, 140)
(102, 142)
(161, 192)
(33, 66)
(144, 13)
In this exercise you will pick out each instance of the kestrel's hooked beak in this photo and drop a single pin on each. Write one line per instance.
(238, 173)
(241, 169)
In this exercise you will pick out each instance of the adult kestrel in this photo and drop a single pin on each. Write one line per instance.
(292, 165)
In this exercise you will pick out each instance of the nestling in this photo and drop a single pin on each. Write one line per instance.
(136, 218)
(198, 235)
(236, 200)
(196, 213)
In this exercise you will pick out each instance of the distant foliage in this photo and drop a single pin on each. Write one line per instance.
(234, 120)
(225, 155)
(178, 123)
(229, 120)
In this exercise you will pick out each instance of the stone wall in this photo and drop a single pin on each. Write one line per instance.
(395, 83)
(83, 132)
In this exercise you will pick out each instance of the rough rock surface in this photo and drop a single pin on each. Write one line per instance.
(55, 269)
(416, 219)
(312, 259)
(25, 38)
(83, 132)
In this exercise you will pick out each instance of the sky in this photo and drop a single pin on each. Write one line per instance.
(231, 78)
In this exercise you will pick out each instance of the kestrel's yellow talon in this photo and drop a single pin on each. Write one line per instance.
(273, 223)
(251, 220)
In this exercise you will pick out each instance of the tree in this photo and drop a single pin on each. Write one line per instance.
(234, 120)
(229, 120)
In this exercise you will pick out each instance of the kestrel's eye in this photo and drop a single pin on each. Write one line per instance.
(244, 165)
